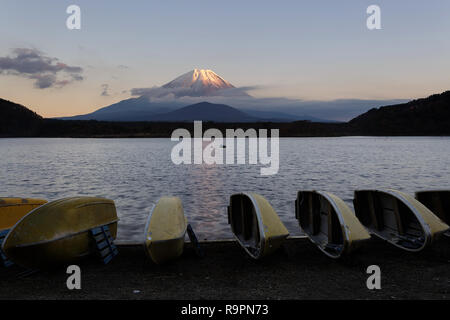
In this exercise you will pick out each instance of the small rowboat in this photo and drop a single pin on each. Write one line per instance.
(255, 224)
(59, 231)
(329, 223)
(13, 209)
(398, 218)
(165, 230)
(438, 202)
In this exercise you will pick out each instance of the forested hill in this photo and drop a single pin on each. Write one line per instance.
(428, 116)
(17, 120)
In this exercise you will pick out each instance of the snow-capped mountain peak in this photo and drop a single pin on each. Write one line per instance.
(201, 81)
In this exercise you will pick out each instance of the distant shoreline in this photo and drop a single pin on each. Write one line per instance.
(51, 128)
(423, 117)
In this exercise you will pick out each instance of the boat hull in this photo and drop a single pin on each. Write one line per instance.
(329, 223)
(255, 224)
(165, 230)
(398, 218)
(59, 231)
(438, 202)
(13, 209)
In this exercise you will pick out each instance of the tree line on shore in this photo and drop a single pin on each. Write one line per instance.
(423, 117)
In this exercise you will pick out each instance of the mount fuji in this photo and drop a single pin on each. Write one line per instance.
(198, 83)
(192, 89)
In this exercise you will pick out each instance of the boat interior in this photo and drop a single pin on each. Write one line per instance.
(320, 222)
(438, 202)
(389, 218)
(244, 222)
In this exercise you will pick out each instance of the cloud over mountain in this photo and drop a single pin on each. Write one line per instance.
(195, 83)
(46, 71)
(201, 85)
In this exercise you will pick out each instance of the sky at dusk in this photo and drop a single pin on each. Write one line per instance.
(310, 50)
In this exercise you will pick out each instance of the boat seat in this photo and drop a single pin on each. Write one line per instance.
(315, 211)
(308, 212)
(4, 261)
(302, 210)
(244, 221)
(335, 235)
(334, 248)
(410, 242)
(104, 243)
(247, 218)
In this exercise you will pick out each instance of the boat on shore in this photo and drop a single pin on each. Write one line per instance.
(13, 209)
(165, 230)
(329, 223)
(60, 231)
(438, 201)
(398, 218)
(255, 224)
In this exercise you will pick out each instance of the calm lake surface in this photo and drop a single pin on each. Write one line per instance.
(136, 172)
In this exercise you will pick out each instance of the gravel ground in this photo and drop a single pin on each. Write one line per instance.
(297, 271)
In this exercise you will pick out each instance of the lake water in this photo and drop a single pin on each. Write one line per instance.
(136, 172)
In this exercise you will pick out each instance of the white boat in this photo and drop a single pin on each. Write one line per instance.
(329, 223)
(398, 218)
(438, 201)
(165, 230)
(255, 224)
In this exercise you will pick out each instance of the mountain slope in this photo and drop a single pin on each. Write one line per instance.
(205, 85)
(134, 109)
(205, 111)
(17, 120)
(152, 101)
(427, 116)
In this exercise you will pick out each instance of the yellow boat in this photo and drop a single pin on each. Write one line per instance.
(398, 218)
(13, 209)
(255, 224)
(165, 230)
(59, 231)
(438, 201)
(329, 223)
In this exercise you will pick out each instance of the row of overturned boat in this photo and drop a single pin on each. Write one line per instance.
(408, 223)
(36, 234)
